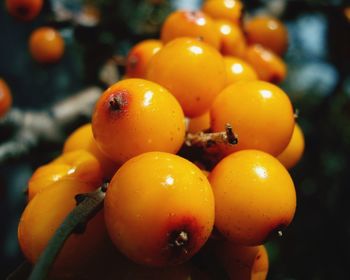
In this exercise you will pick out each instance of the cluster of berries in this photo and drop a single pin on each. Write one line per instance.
(208, 71)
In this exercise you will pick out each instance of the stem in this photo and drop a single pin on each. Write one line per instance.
(88, 205)
(296, 114)
(205, 140)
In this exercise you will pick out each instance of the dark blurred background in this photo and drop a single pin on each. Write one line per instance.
(316, 245)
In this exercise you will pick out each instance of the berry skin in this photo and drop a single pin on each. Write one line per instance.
(243, 262)
(238, 70)
(294, 151)
(159, 209)
(77, 164)
(261, 264)
(135, 116)
(139, 57)
(46, 212)
(200, 123)
(190, 24)
(267, 65)
(46, 45)
(24, 9)
(192, 71)
(260, 113)
(83, 139)
(224, 9)
(232, 40)
(5, 98)
(268, 32)
(254, 197)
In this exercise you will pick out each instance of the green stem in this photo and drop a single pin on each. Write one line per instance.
(89, 205)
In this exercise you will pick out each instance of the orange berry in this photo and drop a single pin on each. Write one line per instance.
(139, 57)
(46, 212)
(294, 151)
(205, 172)
(260, 113)
(238, 70)
(268, 32)
(46, 45)
(200, 123)
(243, 262)
(254, 197)
(78, 164)
(83, 139)
(164, 214)
(192, 71)
(5, 98)
(261, 265)
(190, 24)
(224, 9)
(135, 116)
(267, 65)
(232, 40)
(24, 9)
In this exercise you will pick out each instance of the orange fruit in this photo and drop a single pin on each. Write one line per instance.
(232, 41)
(83, 139)
(46, 45)
(139, 57)
(24, 9)
(224, 9)
(267, 65)
(159, 209)
(192, 71)
(254, 197)
(46, 212)
(77, 164)
(135, 116)
(260, 113)
(238, 70)
(195, 24)
(291, 155)
(268, 32)
(5, 98)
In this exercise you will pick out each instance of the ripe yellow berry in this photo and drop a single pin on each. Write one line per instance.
(159, 209)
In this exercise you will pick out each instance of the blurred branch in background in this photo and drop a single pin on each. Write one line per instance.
(24, 130)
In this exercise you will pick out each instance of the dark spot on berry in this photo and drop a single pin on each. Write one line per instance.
(118, 102)
(198, 98)
(182, 237)
(133, 61)
(22, 11)
(178, 239)
(275, 79)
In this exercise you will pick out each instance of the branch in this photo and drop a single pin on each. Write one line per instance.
(30, 127)
(208, 139)
(89, 205)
